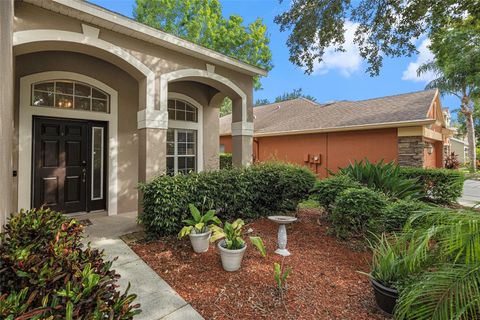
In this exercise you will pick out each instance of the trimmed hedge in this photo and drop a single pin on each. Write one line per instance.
(441, 186)
(46, 273)
(226, 161)
(257, 191)
(355, 209)
(326, 191)
(396, 214)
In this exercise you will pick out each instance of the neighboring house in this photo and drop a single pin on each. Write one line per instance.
(407, 128)
(460, 147)
(92, 103)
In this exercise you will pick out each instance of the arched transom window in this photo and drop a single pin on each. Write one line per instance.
(182, 111)
(67, 94)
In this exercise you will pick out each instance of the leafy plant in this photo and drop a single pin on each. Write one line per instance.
(46, 273)
(257, 191)
(395, 215)
(281, 276)
(232, 234)
(326, 191)
(199, 223)
(226, 161)
(353, 211)
(384, 177)
(451, 161)
(440, 186)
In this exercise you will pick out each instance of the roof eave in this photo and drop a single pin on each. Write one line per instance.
(124, 25)
(385, 125)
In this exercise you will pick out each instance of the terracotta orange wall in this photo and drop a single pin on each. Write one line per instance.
(337, 149)
(227, 142)
(435, 159)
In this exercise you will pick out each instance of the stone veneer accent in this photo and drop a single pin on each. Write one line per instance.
(410, 151)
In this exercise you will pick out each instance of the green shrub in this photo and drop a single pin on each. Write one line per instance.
(45, 273)
(257, 191)
(396, 215)
(440, 186)
(385, 177)
(354, 210)
(325, 191)
(226, 161)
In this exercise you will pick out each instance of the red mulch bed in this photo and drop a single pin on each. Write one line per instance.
(324, 283)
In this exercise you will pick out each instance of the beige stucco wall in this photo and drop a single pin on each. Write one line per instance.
(159, 59)
(127, 89)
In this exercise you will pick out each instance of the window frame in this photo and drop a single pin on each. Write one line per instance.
(176, 155)
(72, 95)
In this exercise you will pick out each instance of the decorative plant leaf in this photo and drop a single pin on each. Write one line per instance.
(258, 243)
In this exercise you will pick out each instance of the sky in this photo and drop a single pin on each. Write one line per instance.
(341, 76)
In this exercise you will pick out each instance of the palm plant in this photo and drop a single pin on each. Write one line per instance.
(449, 241)
(385, 177)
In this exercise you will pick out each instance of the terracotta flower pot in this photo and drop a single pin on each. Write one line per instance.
(200, 241)
(385, 297)
(231, 259)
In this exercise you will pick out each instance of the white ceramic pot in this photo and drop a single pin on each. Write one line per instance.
(231, 259)
(200, 241)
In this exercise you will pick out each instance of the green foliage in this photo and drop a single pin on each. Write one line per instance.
(232, 235)
(309, 204)
(200, 223)
(226, 107)
(396, 215)
(326, 191)
(382, 28)
(257, 191)
(354, 210)
(447, 244)
(280, 276)
(45, 273)
(441, 186)
(202, 22)
(226, 161)
(295, 94)
(385, 177)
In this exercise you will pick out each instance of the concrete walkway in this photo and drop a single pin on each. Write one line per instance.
(471, 194)
(158, 300)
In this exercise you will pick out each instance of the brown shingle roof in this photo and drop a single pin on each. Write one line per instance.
(304, 115)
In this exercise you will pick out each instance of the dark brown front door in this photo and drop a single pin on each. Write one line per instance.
(62, 158)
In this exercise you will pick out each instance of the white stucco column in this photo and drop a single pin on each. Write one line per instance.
(6, 109)
(242, 133)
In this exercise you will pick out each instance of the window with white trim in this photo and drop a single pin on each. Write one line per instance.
(182, 111)
(68, 94)
(181, 151)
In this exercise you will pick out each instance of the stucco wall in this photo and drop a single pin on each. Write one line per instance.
(337, 149)
(127, 89)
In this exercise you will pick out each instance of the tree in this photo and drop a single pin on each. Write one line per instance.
(226, 107)
(261, 102)
(462, 123)
(457, 63)
(202, 22)
(295, 94)
(385, 28)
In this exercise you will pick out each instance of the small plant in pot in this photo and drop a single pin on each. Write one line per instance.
(232, 246)
(199, 228)
(387, 271)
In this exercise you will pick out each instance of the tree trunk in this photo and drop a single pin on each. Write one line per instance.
(468, 112)
(471, 142)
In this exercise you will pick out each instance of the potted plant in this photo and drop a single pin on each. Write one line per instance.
(232, 246)
(387, 270)
(198, 229)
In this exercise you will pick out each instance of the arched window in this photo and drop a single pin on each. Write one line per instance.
(182, 111)
(182, 137)
(67, 94)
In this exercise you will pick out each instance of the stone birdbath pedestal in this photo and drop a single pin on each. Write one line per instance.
(282, 233)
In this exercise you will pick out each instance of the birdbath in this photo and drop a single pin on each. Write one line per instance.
(282, 233)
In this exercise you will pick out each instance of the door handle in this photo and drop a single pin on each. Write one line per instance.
(84, 175)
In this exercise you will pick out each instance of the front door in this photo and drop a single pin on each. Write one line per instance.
(66, 153)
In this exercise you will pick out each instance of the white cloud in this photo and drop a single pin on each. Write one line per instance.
(346, 62)
(424, 55)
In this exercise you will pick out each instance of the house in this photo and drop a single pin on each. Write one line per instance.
(460, 147)
(92, 103)
(407, 128)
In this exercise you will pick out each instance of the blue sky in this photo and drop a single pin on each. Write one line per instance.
(341, 77)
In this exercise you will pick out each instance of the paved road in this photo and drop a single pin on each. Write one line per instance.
(471, 193)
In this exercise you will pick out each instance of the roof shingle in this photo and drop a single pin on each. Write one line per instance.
(304, 115)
